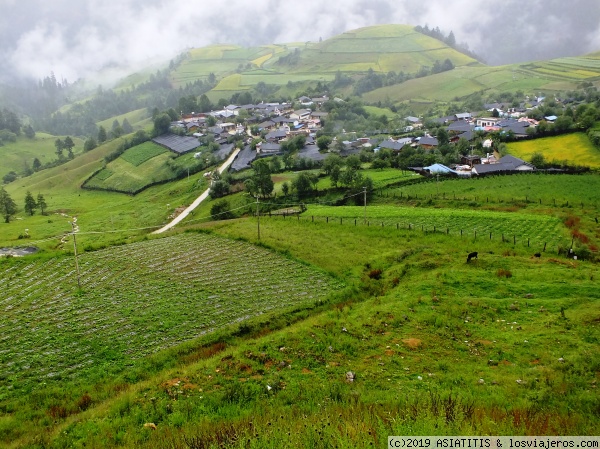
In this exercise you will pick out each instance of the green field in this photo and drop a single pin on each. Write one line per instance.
(139, 167)
(171, 290)
(535, 188)
(198, 333)
(143, 153)
(18, 156)
(574, 149)
(96, 210)
(536, 229)
(138, 119)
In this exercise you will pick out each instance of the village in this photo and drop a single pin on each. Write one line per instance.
(261, 130)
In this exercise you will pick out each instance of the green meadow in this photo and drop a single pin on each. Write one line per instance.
(319, 334)
(18, 156)
(574, 149)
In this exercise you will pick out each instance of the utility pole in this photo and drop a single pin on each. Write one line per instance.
(75, 229)
(365, 201)
(257, 218)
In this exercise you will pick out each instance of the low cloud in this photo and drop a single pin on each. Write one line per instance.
(79, 39)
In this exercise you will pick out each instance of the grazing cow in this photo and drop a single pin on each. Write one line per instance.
(537, 255)
(472, 255)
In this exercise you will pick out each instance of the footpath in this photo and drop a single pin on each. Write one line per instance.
(198, 200)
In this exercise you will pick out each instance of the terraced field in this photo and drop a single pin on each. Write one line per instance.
(139, 167)
(136, 300)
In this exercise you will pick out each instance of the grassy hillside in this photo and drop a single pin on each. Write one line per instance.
(382, 48)
(505, 344)
(138, 119)
(18, 156)
(139, 167)
(97, 210)
(555, 75)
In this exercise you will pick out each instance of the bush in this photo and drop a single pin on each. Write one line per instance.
(221, 211)
(503, 273)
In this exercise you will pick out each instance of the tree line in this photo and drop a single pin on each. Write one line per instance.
(8, 206)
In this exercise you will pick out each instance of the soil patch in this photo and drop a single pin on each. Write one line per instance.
(412, 343)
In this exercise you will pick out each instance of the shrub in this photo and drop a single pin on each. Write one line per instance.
(503, 273)
(84, 402)
(375, 274)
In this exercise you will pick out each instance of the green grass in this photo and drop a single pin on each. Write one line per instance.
(417, 325)
(537, 229)
(98, 211)
(575, 149)
(138, 119)
(198, 284)
(139, 167)
(142, 153)
(496, 190)
(18, 156)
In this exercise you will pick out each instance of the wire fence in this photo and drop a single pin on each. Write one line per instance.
(540, 239)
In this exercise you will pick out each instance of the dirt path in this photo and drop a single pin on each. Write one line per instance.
(198, 200)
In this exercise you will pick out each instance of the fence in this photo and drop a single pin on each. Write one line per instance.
(558, 244)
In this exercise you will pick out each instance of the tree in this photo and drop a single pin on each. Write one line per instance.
(29, 132)
(127, 128)
(102, 136)
(30, 204)
(275, 164)
(353, 162)
(204, 104)
(36, 165)
(117, 132)
(285, 188)
(332, 160)
(335, 175)
(7, 205)
(60, 146)
(442, 137)
(68, 145)
(221, 211)
(262, 178)
(323, 142)
(41, 202)
(162, 123)
(89, 144)
(303, 185)
(538, 160)
(219, 188)
(9, 177)
(211, 120)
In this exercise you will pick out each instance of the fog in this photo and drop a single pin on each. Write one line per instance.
(78, 39)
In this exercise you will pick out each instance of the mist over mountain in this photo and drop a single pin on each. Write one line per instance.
(79, 39)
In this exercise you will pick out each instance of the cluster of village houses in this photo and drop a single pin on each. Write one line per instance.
(278, 122)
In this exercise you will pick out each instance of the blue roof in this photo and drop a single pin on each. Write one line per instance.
(438, 168)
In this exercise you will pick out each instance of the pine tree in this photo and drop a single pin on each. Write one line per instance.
(36, 165)
(7, 205)
(102, 135)
(60, 146)
(30, 204)
(41, 203)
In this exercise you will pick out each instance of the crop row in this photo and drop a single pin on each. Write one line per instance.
(537, 228)
(138, 299)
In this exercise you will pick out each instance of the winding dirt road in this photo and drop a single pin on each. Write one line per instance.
(198, 200)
